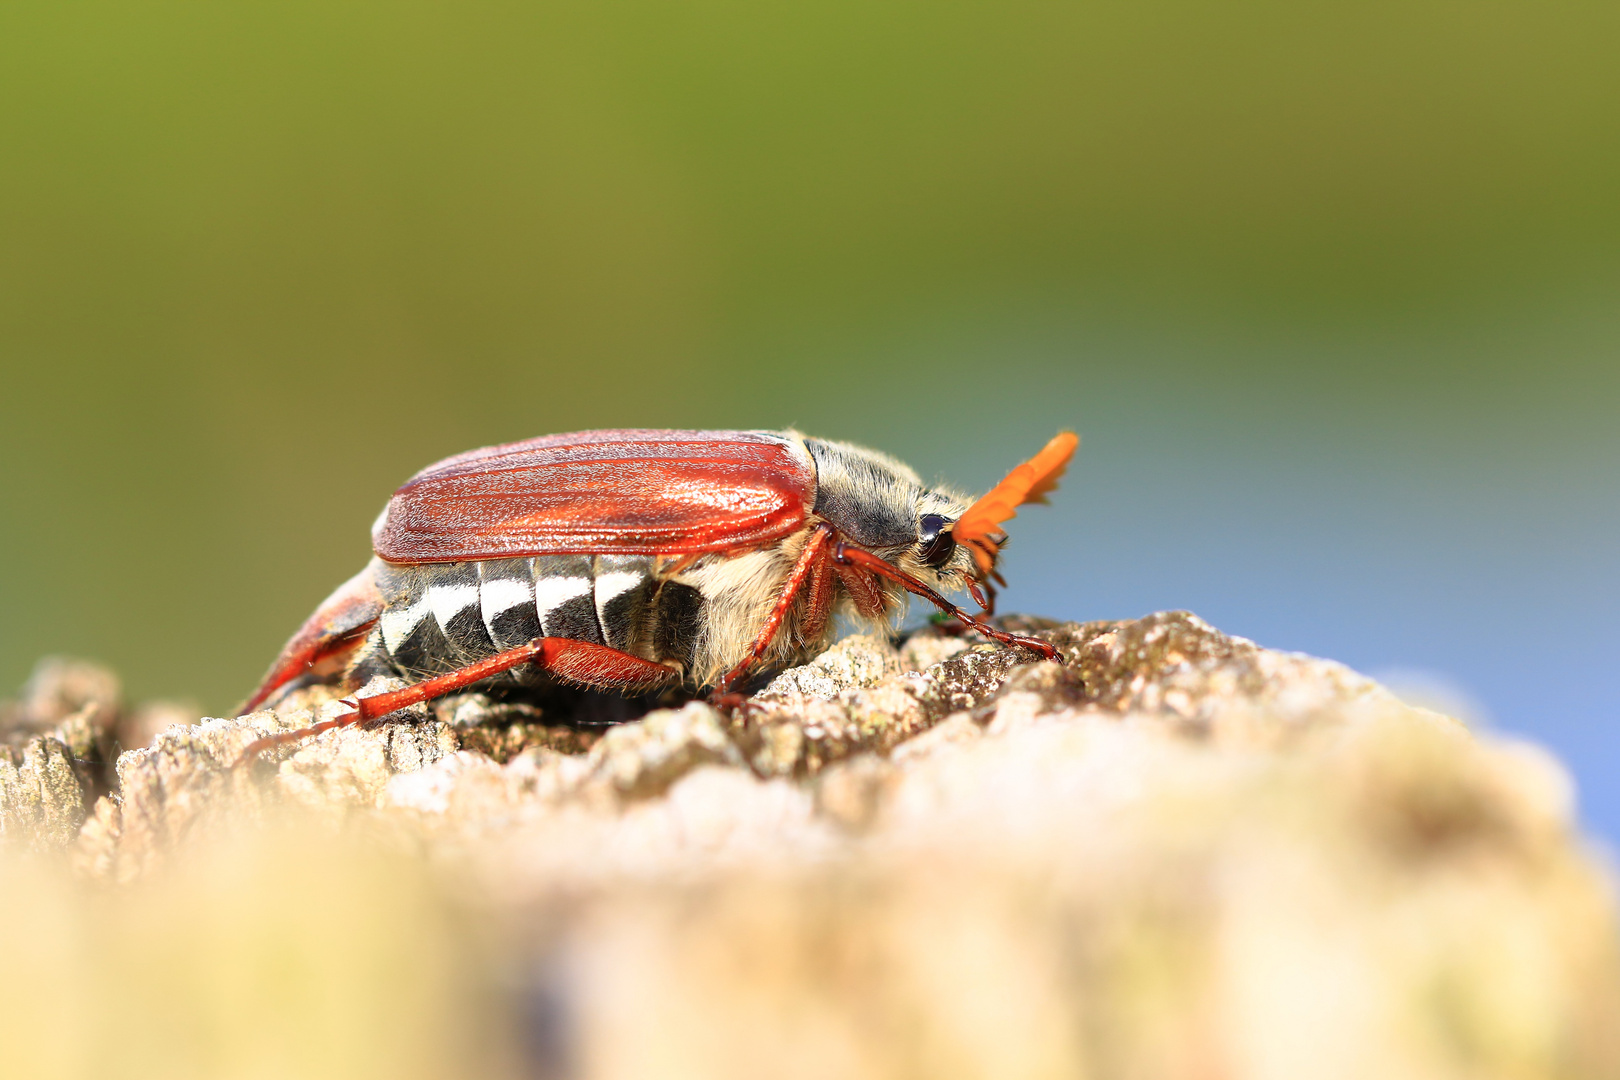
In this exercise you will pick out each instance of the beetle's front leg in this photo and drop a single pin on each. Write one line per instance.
(846, 554)
(984, 594)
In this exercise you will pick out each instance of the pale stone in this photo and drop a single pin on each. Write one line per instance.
(1170, 854)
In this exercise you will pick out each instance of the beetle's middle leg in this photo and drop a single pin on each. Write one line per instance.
(810, 573)
(576, 661)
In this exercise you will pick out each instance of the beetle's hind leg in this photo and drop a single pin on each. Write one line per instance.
(573, 661)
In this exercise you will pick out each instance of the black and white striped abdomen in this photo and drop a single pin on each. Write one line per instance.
(441, 616)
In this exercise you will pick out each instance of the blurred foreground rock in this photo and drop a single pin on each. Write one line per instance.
(1174, 854)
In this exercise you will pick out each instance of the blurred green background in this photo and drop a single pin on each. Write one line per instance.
(1330, 289)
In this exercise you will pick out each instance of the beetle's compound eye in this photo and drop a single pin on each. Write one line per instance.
(934, 545)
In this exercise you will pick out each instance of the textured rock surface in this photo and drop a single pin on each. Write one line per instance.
(1171, 854)
(59, 742)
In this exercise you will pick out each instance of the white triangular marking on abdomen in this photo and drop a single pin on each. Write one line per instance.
(550, 593)
(399, 623)
(613, 584)
(499, 595)
(448, 601)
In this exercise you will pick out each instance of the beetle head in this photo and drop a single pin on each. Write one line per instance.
(936, 535)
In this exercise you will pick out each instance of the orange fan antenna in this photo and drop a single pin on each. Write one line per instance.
(1031, 482)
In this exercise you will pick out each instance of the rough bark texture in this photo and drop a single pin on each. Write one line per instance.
(1172, 854)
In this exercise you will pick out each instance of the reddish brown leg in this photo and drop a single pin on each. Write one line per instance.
(862, 589)
(985, 596)
(819, 597)
(815, 551)
(575, 661)
(845, 554)
(818, 607)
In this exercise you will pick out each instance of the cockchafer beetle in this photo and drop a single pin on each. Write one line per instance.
(637, 560)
